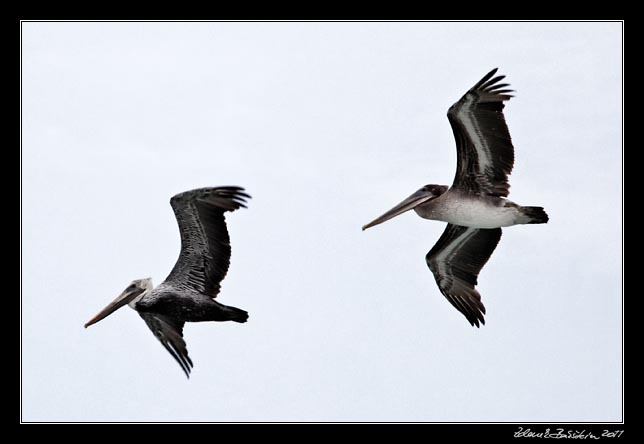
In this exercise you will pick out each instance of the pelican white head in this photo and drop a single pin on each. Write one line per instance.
(131, 295)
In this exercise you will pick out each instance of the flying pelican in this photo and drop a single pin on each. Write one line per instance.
(188, 293)
(475, 207)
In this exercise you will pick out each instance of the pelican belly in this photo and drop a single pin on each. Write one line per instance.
(471, 211)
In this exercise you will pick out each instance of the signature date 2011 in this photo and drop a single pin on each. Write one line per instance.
(566, 434)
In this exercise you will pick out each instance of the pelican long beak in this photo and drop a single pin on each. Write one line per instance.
(121, 300)
(410, 203)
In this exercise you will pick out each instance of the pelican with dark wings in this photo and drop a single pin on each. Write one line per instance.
(188, 293)
(475, 206)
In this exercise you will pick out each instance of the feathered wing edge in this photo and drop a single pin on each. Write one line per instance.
(169, 332)
(456, 261)
(205, 244)
(485, 154)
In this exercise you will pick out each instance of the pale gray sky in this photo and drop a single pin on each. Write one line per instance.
(326, 125)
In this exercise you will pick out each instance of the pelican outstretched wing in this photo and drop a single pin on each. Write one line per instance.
(205, 245)
(169, 332)
(456, 260)
(485, 155)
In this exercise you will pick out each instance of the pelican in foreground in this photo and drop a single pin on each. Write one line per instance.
(475, 206)
(188, 293)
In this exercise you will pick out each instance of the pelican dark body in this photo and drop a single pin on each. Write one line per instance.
(188, 293)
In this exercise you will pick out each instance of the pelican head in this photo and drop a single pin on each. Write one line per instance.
(425, 194)
(131, 295)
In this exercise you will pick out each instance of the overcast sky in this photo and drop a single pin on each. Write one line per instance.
(326, 125)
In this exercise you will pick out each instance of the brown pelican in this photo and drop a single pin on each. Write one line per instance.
(475, 207)
(188, 293)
